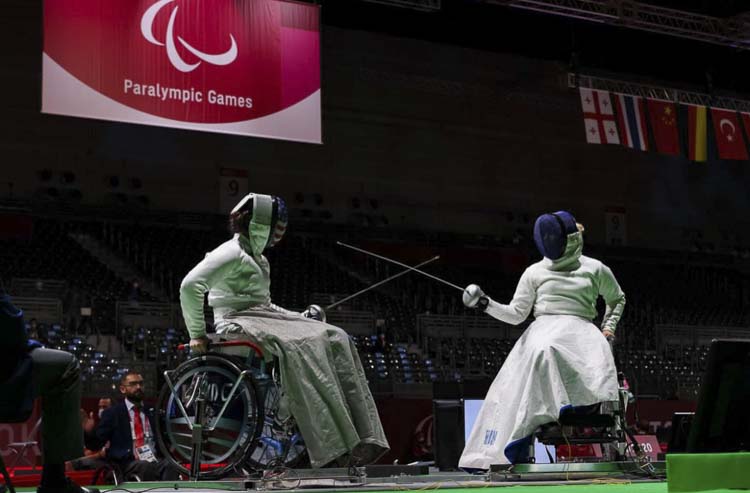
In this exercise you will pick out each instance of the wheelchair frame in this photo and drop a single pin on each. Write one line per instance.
(262, 384)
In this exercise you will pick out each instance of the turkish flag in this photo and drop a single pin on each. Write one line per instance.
(663, 117)
(729, 140)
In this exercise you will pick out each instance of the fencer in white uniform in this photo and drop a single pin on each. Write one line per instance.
(322, 377)
(562, 359)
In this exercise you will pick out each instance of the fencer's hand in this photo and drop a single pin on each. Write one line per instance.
(474, 297)
(315, 312)
(199, 345)
(609, 335)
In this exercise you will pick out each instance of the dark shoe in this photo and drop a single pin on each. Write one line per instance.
(70, 487)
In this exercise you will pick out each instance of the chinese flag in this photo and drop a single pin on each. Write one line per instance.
(729, 139)
(663, 116)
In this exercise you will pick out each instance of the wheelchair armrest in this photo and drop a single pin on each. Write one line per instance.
(230, 344)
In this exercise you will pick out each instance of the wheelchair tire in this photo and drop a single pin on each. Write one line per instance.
(225, 447)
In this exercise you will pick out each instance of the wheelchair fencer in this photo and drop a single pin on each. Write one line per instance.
(223, 410)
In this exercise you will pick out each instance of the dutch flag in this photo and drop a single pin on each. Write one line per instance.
(632, 121)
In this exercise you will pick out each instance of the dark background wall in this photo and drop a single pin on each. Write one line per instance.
(443, 136)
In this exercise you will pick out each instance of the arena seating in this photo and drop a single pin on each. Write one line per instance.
(663, 288)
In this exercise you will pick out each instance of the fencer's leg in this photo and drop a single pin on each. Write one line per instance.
(56, 379)
(359, 400)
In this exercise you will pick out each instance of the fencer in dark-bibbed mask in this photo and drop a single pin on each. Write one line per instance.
(237, 275)
(324, 384)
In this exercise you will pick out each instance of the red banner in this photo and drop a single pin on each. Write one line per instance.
(249, 67)
(18, 433)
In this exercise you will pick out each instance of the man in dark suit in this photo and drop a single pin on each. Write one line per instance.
(129, 428)
(28, 371)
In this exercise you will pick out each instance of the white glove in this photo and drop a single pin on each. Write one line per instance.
(474, 297)
(315, 312)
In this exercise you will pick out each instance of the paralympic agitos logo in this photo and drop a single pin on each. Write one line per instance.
(164, 92)
(175, 59)
(184, 62)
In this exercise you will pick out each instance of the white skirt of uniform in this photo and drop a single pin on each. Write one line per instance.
(559, 361)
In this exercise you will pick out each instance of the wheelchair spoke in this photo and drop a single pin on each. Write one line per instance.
(230, 396)
(215, 457)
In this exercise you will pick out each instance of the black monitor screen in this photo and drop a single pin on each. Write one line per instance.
(721, 421)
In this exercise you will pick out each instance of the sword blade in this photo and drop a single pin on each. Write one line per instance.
(402, 265)
(380, 283)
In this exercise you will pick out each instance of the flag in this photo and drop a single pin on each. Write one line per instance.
(746, 124)
(663, 117)
(632, 122)
(697, 135)
(729, 139)
(598, 117)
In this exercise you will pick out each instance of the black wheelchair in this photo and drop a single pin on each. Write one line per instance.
(601, 424)
(222, 413)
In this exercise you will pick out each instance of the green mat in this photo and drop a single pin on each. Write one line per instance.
(659, 487)
(707, 472)
(698, 483)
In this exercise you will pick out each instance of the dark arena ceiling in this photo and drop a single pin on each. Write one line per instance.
(608, 48)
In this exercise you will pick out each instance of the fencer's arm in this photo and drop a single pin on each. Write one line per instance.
(312, 311)
(197, 283)
(280, 309)
(613, 296)
(513, 313)
(519, 307)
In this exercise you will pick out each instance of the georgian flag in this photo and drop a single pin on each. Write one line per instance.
(632, 120)
(598, 117)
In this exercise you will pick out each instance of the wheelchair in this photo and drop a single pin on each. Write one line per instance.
(603, 424)
(222, 413)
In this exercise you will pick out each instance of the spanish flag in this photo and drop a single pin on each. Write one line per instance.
(697, 133)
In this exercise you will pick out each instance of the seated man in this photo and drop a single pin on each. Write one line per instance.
(28, 371)
(92, 459)
(128, 427)
(562, 359)
(322, 376)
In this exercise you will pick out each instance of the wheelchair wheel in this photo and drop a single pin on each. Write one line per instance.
(214, 378)
(280, 443)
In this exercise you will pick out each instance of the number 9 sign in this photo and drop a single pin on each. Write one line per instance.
(615, 227)
(233, 185)
(233, 188)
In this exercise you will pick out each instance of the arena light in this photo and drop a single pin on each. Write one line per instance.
(421, 5)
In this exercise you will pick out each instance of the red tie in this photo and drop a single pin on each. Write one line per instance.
(138, 426)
